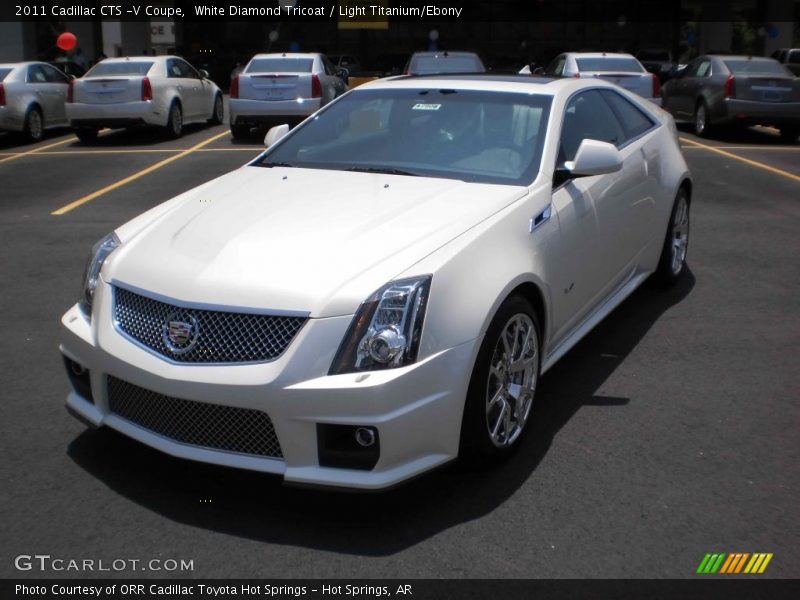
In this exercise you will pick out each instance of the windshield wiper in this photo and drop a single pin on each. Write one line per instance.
(386, 170)
(275, 164)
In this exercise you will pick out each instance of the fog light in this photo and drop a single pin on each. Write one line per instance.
(79, 378)
(365, 437)
(348, 446)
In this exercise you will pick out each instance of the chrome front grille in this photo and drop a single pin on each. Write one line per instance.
(212, 336)
(213, 426)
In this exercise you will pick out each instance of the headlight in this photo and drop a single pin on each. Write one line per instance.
(100, 252)
(386, 330)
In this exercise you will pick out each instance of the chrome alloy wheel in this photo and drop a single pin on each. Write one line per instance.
(680, 235)
(513, 373)
(700, 119)
(35, 129)
(218, 110)
(176, 120)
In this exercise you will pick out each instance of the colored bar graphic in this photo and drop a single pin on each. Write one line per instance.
(765, 563)
(734, 563)
(703, 563)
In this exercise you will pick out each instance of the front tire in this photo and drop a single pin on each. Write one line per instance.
(672, 263)
(34, 125)
(217, 112)
(174, 127)
(503, 384)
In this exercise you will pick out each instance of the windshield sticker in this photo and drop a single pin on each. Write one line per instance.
(423, 106)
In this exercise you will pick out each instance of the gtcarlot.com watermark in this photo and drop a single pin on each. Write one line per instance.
(46, 562)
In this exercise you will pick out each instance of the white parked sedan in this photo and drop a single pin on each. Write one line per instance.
(32, 96)
(381, 290)
(289, 86)
(619, 68)
(165, 91)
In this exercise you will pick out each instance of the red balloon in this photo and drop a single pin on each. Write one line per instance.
(66, 41)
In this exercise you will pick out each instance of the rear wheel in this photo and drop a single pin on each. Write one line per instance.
(217, 112)
(701, 119)
(240, 132)
(790, 134)
(34, 125)
(174, 127)
(86, 134)
(676, 242)
(503, 384)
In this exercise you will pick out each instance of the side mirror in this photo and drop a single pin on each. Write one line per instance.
(594, 158)
(203, 73)
(538, 71)
(275, 133)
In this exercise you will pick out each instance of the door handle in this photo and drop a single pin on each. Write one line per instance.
(540, 219)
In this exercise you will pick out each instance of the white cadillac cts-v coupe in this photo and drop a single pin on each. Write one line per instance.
(381, 290)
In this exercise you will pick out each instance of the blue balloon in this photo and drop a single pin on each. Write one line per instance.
(294, 47)
(773, 31)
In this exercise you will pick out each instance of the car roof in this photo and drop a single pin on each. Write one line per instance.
(600, 55)
(526, 84)
(741, 57)
(287, 55)
(444, 53)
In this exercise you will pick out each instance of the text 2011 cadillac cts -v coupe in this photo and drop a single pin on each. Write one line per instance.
(381, 290)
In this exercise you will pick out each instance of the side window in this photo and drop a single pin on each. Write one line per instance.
(691, 70)
(588, 116)
(328, 66)
(36, 74)
(189, 72)
(53, 75)
(704, 69)
(556, 67)
(173, 69)
(634, 121)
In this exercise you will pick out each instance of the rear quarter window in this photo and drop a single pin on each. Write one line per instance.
(612, 64)
(280, 65)
(122, 69)
(634, 122)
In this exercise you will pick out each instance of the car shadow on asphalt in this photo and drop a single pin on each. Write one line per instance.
(258, 507)
(741, 135)
(139, 135)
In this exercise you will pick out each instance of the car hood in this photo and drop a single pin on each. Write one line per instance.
(315, 241)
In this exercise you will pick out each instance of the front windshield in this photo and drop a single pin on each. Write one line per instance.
(477, 136)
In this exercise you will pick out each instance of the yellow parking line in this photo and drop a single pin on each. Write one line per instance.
(89, 197)
(36, 150)
(778, 148)
(752, 163)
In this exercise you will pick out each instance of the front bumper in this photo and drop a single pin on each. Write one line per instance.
(244, 111)
(760, 113)
(416, 410)
(117, 114)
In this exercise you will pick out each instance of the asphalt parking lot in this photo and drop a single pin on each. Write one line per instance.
(670, 432)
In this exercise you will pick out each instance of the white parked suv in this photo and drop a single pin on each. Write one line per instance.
(380, 292)
(283, 87)
(622, 69)
(165, 91)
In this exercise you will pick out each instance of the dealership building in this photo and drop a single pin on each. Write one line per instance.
(502, 36)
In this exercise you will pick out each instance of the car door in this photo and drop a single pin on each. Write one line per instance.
(593, 213)
(188, 87)
(203, 89)
(58, 83)
(44, 92)
(689, 86)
